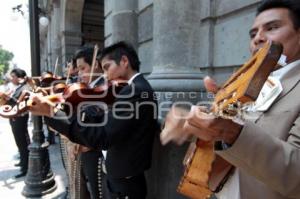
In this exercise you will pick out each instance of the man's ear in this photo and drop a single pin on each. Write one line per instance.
(124, 60)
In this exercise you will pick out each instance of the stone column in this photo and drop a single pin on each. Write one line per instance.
(124, 21)
(176, 36)
(176, 77)
(70, 31)
(56, 45)
(50, 42)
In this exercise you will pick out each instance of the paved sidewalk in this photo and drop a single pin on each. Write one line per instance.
(12, 188)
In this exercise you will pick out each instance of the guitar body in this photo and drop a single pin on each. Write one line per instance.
(205, 172)
(193, 183)
(214, 171)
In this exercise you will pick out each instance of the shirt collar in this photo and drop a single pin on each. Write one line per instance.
(93, 83)
(132, 78)
(284, 70)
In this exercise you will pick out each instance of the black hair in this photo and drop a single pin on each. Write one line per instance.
(72, 61)
(20, 73)
(292, 5)
(122, 48)
(47, 72)
(86, 53)
(74, 64)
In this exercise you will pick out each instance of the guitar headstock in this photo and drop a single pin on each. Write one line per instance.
(245, 84)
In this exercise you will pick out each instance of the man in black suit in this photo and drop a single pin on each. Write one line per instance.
(90, 159)
(19, 124)
(128, 127)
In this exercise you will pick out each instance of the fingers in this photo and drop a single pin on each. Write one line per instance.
(170, 132)
(35, 104)
(210, 85)
(181, 124)
(37, 107)
(197, 111)
(165, 137)
(202, 124)
(173, 126)
(201, 133)
(24, 95)
(198, 116)
(178, 137)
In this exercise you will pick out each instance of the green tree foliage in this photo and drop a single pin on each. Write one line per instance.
(5, 58)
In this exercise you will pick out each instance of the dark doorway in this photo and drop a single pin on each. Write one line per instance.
(93, 23)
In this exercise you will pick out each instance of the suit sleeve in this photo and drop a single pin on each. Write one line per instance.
(110, 128)
(271, 160)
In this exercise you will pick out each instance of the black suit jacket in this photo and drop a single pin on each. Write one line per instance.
(128, 133)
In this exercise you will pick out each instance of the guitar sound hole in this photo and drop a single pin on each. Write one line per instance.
(7, 108)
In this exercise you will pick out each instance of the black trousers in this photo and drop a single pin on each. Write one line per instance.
(19, 128)
(127, 188)
(91, 168)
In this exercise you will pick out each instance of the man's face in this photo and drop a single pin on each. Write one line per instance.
(70, 70)
(112, 69)
(84, 70)
(276, 25)
(14, 79)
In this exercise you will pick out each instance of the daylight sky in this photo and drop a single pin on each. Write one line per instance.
(14, 33)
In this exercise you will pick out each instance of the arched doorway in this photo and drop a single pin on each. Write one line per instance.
(83, 24)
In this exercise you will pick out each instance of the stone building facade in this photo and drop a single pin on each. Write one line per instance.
(178, 41)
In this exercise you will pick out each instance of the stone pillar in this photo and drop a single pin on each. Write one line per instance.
(70, 34)
(50, 41)
(71, 41)
(176, 77)
(125, 21)
(56, 45)
(176, 36)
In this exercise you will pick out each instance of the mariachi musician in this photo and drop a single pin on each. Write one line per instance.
(85, 164)
(19, 125)
(264, 148)
(130, 126)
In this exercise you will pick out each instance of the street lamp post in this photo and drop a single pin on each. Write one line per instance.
(39, 179)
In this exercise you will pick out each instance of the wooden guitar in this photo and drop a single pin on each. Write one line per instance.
(206, 172)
